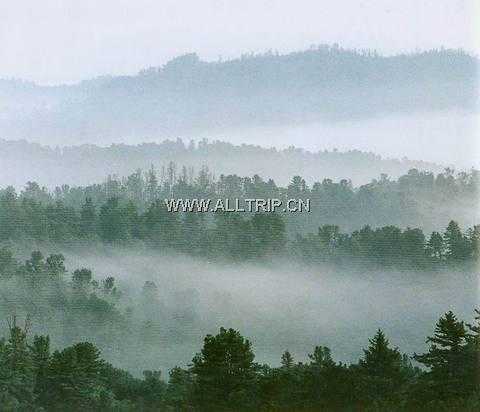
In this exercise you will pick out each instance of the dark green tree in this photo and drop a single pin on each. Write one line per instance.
(162, 228)
(382, 372)
(436, 246)
(287, 360)
(113, 223)
(40, 352)
(224, 372)
(88, 219)
(447, 359)
(153, 390)
(75, 379)
(179, 390)
(17, 376)
(457, 245)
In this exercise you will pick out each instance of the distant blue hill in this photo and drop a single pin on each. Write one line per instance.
(190, 95)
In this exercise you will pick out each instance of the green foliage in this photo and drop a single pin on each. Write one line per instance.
(132, 208)
(382, 373)
(162, 229)
(113, 221)
(224, 372)
(458, 246)
(17, 381)
(88, 219)
(126, 217)
(224, 377)
(452, 360)
(387, 247)
(180, 390)
(74, 378)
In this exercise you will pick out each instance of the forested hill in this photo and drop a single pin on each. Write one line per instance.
(188, 94)
(417, 199)
(21, 162)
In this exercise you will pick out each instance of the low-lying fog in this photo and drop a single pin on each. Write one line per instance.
(448, 138)
(279, 306)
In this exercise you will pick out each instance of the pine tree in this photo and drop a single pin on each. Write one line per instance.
(88, 219)
(328, 386)
(17, 377)
(287, 360)
(472, 366)
(9, 214)
(152, 185)
(75, 378)
(153, 389)
(457, 245)
(40, 350)
(447, 359)
(180, 388)
(112, 222)
(224, 372)
(161, 228)
(381, 371)
(474, 238)
(321, 357)
(436, 246)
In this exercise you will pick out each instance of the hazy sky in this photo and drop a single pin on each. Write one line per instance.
(54, 41)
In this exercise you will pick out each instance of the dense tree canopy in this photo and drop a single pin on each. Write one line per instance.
(224, 377)
(62, 370)
(133, 210)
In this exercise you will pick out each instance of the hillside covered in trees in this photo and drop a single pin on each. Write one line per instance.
(89, 334)
(416, 199)
(86, 316)
(82, 165)
(118, 290)
(201, 230)
(224, 376)
(188, 95)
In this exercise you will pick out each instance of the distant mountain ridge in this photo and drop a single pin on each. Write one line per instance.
(191, 95)
(22, 161)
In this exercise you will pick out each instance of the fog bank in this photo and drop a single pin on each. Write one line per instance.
(281, 306)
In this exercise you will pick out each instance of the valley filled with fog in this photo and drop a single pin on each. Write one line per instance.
(97, 270)
(286, 307)
(279, 306)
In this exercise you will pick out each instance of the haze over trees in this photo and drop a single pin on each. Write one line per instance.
(188, 95)
(416, 199)
(106, 294)
(82, 165)
(224, 376)
(230, 236)
(74, 314)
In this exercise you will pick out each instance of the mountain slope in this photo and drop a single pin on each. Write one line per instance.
(188, 95)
